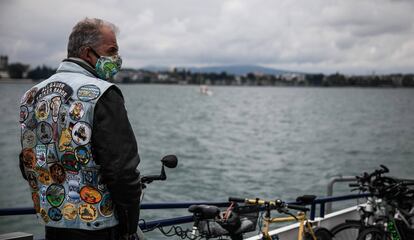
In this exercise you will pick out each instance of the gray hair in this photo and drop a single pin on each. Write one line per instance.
(87, 33)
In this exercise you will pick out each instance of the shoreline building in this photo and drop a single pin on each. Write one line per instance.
(4, 63)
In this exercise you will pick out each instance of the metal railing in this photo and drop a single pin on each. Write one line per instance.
(148, 225)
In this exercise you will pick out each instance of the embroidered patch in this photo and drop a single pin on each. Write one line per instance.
(101, 186)
(44, 216)
(73, 182)
(106, 206)
(60, 88)
(90, 176)
(29, 96)
(24, 113)
(73, 188)
(36, 201)
(90, 195)
(57, 172)
(88, 92)
(65, 139)
(55, 194)
(41, 152)
(87, 212)
(32, 180)
(44, 132)
(55, 214)
(28, 139)
(43, 190)
(76, 111)
(42, 110)
(81, 133)
(62, 116)
(31, 121)
(70, 211)
(51, 154)
(82, 154)
(29, 158)
(70, 163)
(43, 176)
(55, 103)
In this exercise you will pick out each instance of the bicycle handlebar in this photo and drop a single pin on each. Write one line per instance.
(277, 204)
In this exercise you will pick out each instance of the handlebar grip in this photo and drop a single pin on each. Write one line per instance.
(235, 199)
(353, 185)
(297, 207)
(385, 169)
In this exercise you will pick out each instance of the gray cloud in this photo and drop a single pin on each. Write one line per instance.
(318, 36)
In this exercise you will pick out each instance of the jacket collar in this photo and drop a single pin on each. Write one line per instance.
(77, 65)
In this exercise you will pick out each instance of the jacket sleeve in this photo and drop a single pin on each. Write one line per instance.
(116, 150)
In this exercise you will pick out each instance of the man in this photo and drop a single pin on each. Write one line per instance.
(79, 153)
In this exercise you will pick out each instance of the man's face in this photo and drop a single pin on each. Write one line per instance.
(109, 46)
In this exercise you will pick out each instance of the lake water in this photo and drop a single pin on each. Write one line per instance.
(268, 142)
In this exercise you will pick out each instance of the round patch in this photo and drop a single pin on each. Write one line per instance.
(36, 201)
(29, 158)
(41, 151)
(88, 92)
(90, 195)
(55, 194)
(55, 103)
(55, 214)
(81, 133)
(70, 211)
(43, 176)
(44, 216)
(28, 97)
(32, 179)
(24, 113)
(42, 110)
(106, 207)
(28, 139)
(76, 111)
(82, 154)
(87, 212)
(44, 132)
(57, 172)
(70, 163)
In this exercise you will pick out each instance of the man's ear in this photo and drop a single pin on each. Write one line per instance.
(87, 55)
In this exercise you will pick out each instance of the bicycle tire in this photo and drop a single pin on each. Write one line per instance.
(320, 234)
(373, 233)
(346, 231)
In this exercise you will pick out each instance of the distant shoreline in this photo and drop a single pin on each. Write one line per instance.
(12, 80)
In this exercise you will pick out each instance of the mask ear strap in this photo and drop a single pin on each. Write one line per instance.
(94, 52)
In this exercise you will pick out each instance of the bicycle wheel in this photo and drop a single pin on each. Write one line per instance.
(346, 231)
(373, 233)
(320, 234)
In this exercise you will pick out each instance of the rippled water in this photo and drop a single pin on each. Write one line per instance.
(241, 141)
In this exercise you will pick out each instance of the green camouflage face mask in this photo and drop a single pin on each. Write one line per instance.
(107, 66)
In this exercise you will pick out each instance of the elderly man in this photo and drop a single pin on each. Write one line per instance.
(79, 153)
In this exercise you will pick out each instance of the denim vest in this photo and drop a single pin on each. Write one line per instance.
(56, 119)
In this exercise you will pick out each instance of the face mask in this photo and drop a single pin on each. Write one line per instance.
(107, 66)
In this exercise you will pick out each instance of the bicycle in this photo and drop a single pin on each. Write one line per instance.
(385, 199)
(305, 232)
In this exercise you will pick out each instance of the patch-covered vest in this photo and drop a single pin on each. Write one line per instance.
(56, 128)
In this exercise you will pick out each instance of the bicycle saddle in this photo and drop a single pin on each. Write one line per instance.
(305, 199)
(204, 211)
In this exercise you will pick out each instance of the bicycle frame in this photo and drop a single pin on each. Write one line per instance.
(300, 217)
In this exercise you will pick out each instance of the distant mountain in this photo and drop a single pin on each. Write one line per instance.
(232, 69)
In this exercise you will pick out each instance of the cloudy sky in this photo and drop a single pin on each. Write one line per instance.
(347, 36)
